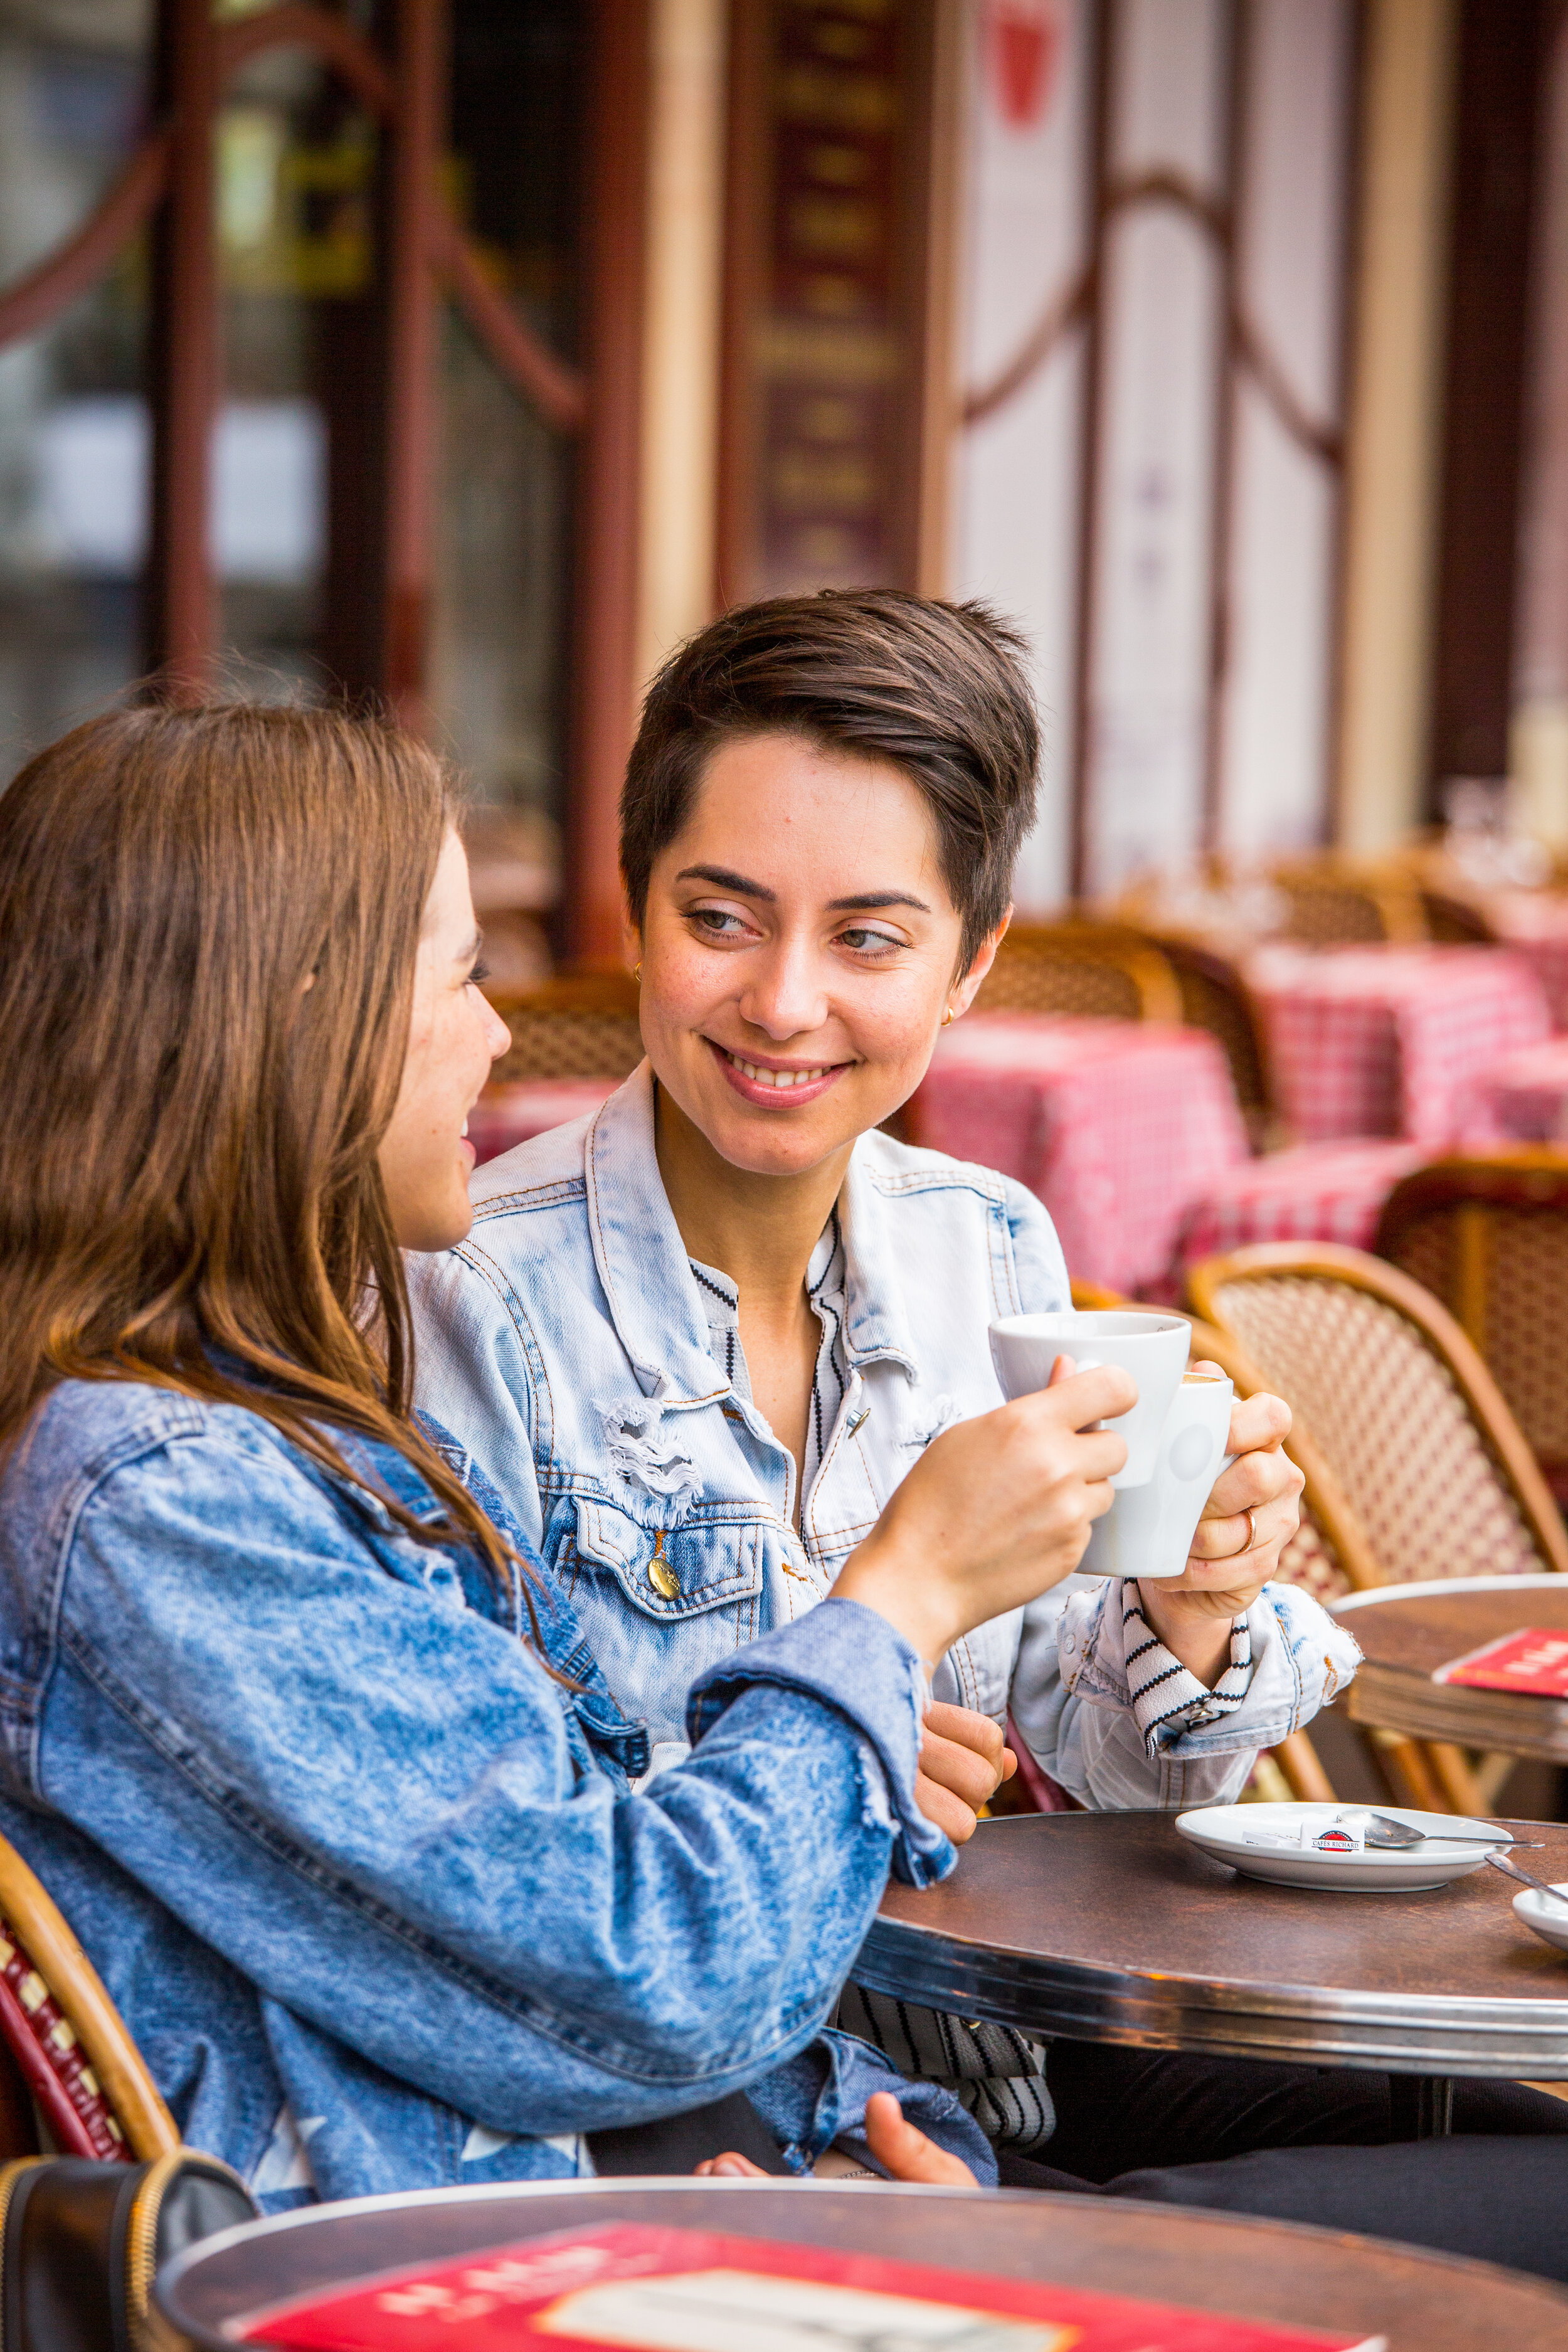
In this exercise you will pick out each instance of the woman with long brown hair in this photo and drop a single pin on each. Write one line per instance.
(320, 1771)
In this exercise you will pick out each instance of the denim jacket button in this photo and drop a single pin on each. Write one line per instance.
(663, 1578)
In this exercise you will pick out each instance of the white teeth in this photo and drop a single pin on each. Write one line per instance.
(465, 1127)
(775, 1078)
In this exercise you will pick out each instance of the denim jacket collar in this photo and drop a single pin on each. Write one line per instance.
(653, 1297)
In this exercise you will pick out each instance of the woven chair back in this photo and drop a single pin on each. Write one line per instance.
(576, 1027)
(66, 2042)
(1338, 906)
(1408, 1420)
(1087, 970)
(1490, 1237)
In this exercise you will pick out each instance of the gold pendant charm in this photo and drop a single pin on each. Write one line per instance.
(660, 1574)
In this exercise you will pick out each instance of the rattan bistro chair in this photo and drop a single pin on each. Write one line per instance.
(1097, 970)
(1333, 902)
(576, 1026)
(1408, 1417)
(1488, 1235)
(72, 2081)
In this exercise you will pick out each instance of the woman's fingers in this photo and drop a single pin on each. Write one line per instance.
(906, 2153)
(954, 1817)
(898, 2146)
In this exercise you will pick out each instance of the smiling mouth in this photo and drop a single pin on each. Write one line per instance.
(777, 1081)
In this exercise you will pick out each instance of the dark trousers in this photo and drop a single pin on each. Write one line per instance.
(1300, 2144)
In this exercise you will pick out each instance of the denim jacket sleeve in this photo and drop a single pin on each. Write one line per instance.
(365, 1794)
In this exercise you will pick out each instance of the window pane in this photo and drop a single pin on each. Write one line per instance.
(73, 420)
(500, 646)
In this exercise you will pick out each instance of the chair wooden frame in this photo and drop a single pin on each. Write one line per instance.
(1333, 1262)
(58, 1972)
(1129, 952)
(1202, 972)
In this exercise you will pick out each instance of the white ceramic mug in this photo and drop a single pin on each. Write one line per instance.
(1149, 1529)
(1153, 1348)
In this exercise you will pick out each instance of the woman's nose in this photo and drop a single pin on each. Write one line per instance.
(784, 997)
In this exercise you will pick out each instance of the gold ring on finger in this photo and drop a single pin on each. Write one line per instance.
(1251, 1543)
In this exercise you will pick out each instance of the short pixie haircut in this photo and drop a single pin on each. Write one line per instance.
(938, 690)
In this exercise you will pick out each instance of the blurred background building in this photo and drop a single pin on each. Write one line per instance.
(469, 352)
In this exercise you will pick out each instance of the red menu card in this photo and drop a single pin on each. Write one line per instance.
(665, 2290)
(1534, 1660)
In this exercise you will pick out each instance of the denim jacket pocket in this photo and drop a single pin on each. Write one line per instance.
(669, 1574)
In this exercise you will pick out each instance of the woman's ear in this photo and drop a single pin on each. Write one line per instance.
(961, 996)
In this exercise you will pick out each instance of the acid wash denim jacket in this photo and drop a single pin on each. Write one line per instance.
(370, 1889)
(567, 1341)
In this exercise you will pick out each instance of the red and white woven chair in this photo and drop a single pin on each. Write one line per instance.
(75, 2083)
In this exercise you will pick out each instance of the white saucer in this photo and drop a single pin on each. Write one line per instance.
(1549, 1920)
(1223, 1831)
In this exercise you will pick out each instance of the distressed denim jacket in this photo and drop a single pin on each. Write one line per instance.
(370, 1889)
(567, 1343)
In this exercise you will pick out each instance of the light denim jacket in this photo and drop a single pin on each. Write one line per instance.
(566, 1342)
(369, 1887)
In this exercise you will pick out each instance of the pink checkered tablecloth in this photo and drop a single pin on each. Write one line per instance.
(1534, 925)
(507, 1114)
(1118, 1125)
(1317, 1193)
(1390, 1041)
(1523, 1099)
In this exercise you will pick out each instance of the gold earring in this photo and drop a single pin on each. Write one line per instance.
(636, 973)
(947, 1016)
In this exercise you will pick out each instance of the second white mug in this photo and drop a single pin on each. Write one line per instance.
(1149, 1530)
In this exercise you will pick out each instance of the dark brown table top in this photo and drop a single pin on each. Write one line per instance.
(1110, 1926)
(1408, 1630)
(1210, 2262)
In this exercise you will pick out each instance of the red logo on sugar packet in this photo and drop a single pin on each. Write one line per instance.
(1534, 1661)
(647, 2290)
(1336, 1841)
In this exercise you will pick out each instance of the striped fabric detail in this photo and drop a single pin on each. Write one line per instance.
(1166, 1698)
(997, 2075)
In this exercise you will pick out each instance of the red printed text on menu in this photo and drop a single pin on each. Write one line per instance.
(1534, 1661)
(666, 2289)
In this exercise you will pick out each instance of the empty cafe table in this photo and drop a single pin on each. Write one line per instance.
(1407, 1631)
(1111, 1927)
(1211, 2263)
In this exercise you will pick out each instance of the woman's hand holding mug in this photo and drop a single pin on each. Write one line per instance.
(995, 1511)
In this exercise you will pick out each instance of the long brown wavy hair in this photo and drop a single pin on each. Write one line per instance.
(208, 926)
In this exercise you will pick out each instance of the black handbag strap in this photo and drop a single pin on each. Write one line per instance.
(679, 2144)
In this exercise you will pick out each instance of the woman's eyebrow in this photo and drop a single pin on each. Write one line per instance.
(865, 901)
(723, 878)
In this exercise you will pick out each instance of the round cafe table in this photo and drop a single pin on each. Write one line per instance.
(1110, 1927)
(1265, 2270)
(1407, 1631)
